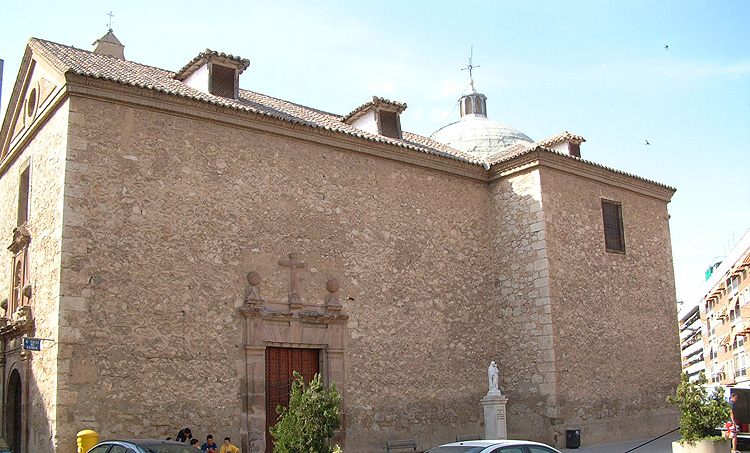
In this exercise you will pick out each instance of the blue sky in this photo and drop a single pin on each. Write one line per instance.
(595, 68)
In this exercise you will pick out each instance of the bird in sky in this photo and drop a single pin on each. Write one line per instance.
(666, 47)
(647, 143)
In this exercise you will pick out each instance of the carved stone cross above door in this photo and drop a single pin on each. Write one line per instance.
(293, 263)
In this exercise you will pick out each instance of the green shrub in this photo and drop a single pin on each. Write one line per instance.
(701, 413)
(310, 420)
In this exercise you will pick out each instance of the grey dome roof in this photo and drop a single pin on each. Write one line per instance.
(478, 135)
(474, 133)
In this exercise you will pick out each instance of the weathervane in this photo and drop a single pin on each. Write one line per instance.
(109, 25)
(470, 67)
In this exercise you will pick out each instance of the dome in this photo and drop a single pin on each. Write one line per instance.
(479, 136)
(474, 133)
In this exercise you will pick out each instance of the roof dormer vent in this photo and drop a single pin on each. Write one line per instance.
(566, 143)
(380, 116)
(110, 45)
(215, 73)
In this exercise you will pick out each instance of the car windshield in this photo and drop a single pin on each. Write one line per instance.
(458, 449)
(169, 448)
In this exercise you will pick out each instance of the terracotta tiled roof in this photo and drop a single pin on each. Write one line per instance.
(82, 62)
(376, 101)
(559, 138)
(194, 64)
(69, 59)
(526, 148)
(511, 151)
(521, 148)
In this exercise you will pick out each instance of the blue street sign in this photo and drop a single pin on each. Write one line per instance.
(32, 344)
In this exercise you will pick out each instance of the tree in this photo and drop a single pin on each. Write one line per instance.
(701, 413)
(310, 419)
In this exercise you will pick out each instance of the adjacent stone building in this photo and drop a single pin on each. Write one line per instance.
(183, 245)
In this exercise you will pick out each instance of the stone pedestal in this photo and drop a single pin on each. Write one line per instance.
(495, 426)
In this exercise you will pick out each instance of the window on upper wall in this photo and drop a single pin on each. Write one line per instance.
(614, 236)
(24, 188)
(737, 312)
(733, 284)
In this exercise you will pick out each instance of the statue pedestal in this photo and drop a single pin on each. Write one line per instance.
(495, 426)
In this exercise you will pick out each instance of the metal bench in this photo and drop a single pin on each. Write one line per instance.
(401, 445)
(469, 437)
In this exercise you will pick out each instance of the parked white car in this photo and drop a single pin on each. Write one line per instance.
(494, 446)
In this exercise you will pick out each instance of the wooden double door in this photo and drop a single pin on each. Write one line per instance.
(281, 363)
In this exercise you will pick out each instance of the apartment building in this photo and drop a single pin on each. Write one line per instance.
(725, 320)
(691, 341)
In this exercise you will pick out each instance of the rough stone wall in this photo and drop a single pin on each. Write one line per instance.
(521, 279)
(46, 156)
(166, 214)
(614, 315)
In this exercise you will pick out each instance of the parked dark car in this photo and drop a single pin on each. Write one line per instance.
(494, 446)
(142, 446)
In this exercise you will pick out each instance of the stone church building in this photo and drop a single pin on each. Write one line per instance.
(181, 245)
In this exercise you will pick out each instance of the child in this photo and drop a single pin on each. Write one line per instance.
(228, 447)
(184, 435)
(210, 446)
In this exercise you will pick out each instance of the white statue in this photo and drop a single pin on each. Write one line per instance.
(493, 375)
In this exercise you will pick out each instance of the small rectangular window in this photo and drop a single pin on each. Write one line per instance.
(24, 188)
(574, 149)
(222, 81)
(614, 236)
(389, 124)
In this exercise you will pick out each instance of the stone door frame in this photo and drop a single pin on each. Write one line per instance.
(263, 329)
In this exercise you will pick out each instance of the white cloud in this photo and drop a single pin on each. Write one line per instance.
(450, 88)
(380, 87)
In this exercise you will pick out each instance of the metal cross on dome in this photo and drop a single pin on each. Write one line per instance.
(470, 67)
(109, 25)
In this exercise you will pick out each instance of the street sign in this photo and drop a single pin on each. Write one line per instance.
(32, 344)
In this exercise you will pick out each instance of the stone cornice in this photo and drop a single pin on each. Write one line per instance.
(104, 90)
(11, 108)
(305, 317)
(127, 95)
(15, 146)
(545, 158)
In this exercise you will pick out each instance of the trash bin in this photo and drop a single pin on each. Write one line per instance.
(572, 438)
(87, 439)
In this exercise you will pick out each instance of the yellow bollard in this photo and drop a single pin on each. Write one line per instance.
(87, 439)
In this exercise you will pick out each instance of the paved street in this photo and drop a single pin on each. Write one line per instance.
(663, 445)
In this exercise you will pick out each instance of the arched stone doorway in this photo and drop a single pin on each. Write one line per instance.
(14, 411)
